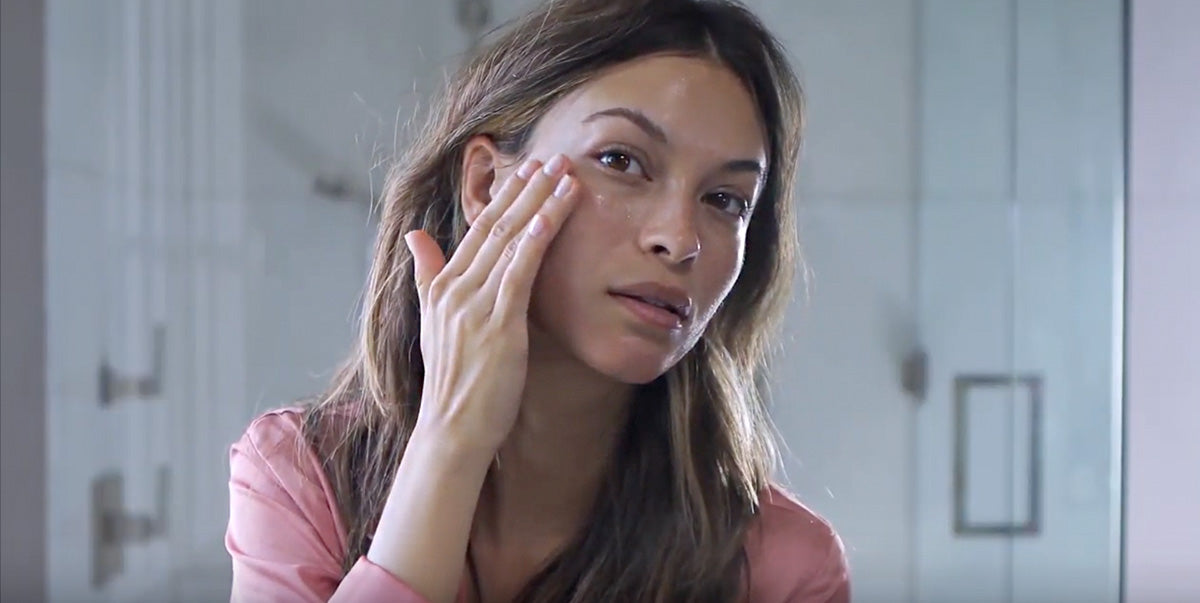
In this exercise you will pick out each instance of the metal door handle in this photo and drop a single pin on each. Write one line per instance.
(115, 387)
(1031, 525)
(113, 527)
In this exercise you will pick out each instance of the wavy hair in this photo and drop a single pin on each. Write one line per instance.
(671, 518)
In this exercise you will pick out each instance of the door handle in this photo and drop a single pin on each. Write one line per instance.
(114, 387)
(914, 374)
(1031, 525)
(113, 527)
(473, 17)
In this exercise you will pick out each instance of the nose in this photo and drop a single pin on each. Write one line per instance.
(669, 231)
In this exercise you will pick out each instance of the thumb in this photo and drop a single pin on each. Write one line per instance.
(428, 261)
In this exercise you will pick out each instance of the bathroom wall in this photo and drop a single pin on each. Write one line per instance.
(1162, 494)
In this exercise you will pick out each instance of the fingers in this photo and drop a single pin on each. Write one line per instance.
(496, 242)
(482, 226)
(428, 261)
(514, 283)
(508, 227)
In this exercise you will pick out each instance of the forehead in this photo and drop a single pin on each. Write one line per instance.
(698, 103)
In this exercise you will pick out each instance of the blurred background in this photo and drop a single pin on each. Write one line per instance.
(954, 388)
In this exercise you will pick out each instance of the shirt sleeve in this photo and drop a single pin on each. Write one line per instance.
(830, 582)
(282, 534)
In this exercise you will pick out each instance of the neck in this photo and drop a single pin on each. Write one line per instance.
(548, 472)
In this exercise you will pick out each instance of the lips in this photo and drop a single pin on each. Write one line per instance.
(657, 295)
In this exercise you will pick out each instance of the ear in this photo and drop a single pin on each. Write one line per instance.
(484, 169)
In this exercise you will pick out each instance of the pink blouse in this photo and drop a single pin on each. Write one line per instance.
(287, 540)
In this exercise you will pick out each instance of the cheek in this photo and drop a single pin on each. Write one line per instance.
(720, 270)
(606, 202)
(574, 261)
(603, 219)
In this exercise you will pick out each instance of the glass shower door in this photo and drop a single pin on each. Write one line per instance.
(1019, 227)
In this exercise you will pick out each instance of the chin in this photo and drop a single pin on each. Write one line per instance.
(633, 363)
(613, 351)
(632, 373)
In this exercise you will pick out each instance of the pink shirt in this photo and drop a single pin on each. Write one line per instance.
(287, 540)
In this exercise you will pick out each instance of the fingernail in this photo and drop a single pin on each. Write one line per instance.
(564, 186)
(408, 240)
(525, 172)
(555, 166)
(537, 225)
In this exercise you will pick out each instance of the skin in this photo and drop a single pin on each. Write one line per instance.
(530, 361)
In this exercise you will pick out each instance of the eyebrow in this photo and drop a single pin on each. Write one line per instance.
(656, 132)
(638, 118)
(743, 165)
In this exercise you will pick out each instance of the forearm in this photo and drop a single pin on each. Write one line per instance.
(426, 521)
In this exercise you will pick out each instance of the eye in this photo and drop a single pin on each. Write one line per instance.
(729, 203)
(621, 161)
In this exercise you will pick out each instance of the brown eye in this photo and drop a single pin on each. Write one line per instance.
(730, 204)
(616, 161)
(621, 162)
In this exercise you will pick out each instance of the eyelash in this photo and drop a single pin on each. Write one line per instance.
(743, 206)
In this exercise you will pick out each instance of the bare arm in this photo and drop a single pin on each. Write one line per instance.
(474, 340)
(422, 534)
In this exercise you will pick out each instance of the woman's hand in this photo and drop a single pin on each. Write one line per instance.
(475, 340)
(474, 308)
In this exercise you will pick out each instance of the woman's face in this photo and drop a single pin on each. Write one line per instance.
(670, 155)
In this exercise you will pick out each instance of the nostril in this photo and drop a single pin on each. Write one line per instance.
(674, 249)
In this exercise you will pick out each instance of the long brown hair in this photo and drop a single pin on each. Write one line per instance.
(698, 449)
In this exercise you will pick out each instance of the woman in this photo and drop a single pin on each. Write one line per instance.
(580, 266)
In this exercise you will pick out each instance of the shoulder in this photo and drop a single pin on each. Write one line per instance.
(275, 427)
(794, 554)
(276, 439)
(274, 460)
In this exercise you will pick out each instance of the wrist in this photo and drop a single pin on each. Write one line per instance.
(446, 449)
